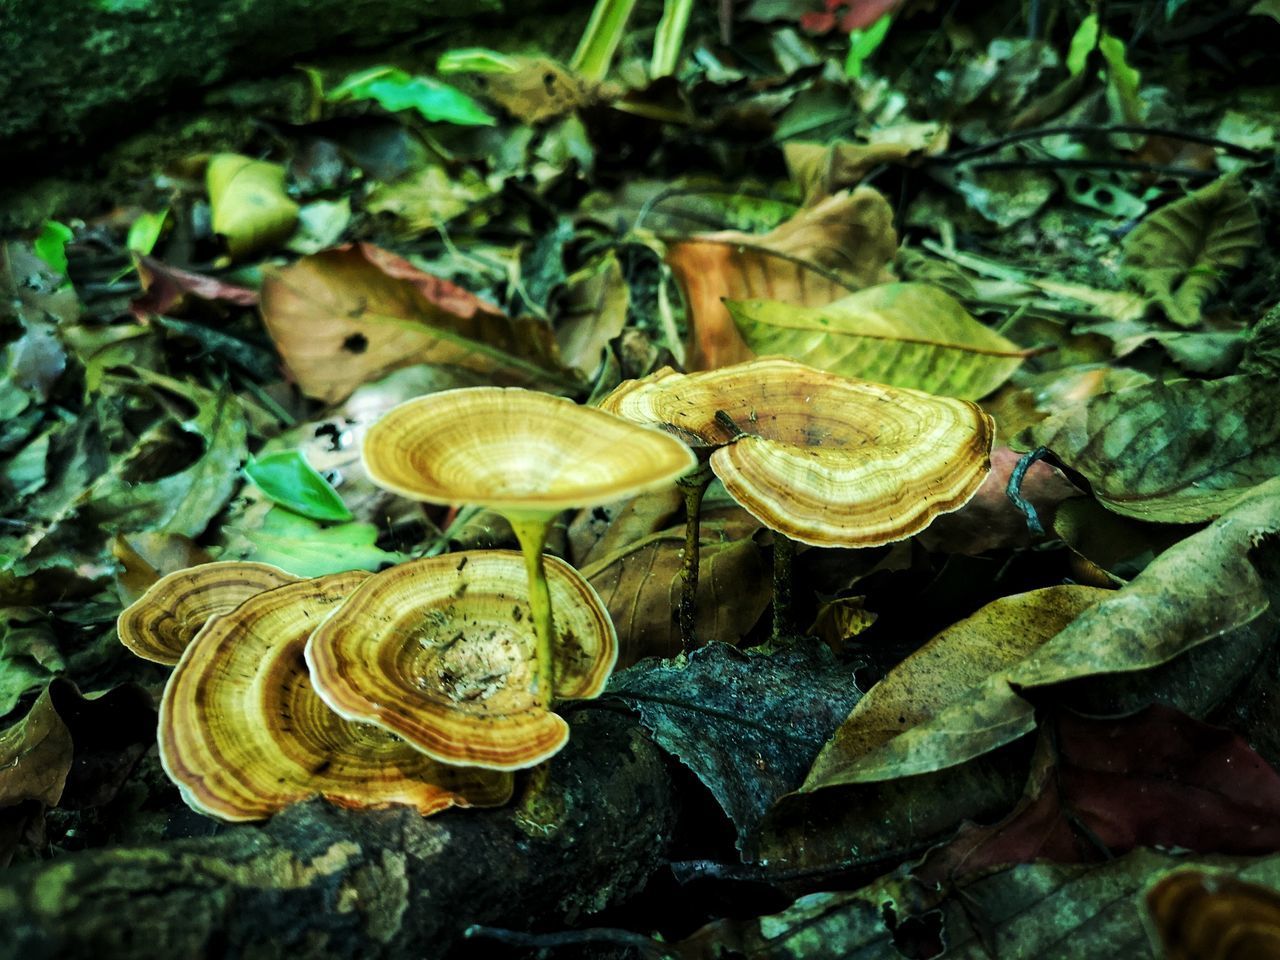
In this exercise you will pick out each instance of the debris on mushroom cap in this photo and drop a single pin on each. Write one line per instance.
(441, 652)
(243, 734)
(159, 624)
(827, 460)
(517, 450)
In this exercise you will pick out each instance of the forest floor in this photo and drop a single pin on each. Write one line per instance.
(1033, 714)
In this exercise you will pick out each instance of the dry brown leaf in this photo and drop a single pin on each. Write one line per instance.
(35, 756)
(821, 169)
(597, 532)
(347, 315)
(821, 254)
(640, 585)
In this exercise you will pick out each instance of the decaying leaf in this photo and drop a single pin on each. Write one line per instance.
(1179, 452)
(823, 168)
(1100, 788)
(905, 334)
(348, 315)
(35, 757)
(1087, 912)
(923, 716)
(640, 584)
(990, 521)
(1200, 590)
(1180, 253)
(29, 654)
(251, 210)
(594, 312)
(166, 288)
(747, 724)
(821, 254)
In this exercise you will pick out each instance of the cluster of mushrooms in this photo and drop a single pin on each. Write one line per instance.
(428, 683)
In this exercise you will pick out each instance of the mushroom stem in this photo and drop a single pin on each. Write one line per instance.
(531, 531)
(784, 549)
(694, 487)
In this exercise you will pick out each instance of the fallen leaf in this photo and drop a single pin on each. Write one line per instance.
(146, 557)
(823, 168)
(747, 724)
(594, 312)
(1087, 912)
(1100, 788)
(923, 716)
(393, 89)
(903, 334)
(1203, 589)
(251, 210)
(531, 89)
(1178, 452)
(348, 315)
(821, 254)
(29, 654)
(640, 584)
(1180, 253)
(166, 288)
(35, 756)
(990, 521)
(289, 480)
(304, 548)
(142, 491)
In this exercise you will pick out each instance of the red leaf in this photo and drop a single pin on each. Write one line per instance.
(166, 287)
(1103, 787)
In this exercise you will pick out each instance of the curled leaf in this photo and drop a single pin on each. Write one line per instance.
(1180, 253)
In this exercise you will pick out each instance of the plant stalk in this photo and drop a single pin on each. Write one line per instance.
(694, 487)
(532, 534)
(784, 549)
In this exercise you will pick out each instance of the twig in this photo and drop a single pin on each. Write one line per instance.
(961, 156)
(1190, 173)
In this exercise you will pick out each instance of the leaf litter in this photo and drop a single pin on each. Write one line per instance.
(1046, 217)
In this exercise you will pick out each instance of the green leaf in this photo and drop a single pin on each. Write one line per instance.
(51, 245)
(302, 547)
(395, 90)
(1179, 254)
(904, 334)
(1083, 43)
(863, 43)
(475, 60)
(290, 481)
(1180, 452)
(145, 231)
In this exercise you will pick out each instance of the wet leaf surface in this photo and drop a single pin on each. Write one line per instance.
(746, 723)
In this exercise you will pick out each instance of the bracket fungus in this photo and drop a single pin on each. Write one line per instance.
(243, 734)
(822, 459)
(160, 623)
(439, 652)
(527, 455)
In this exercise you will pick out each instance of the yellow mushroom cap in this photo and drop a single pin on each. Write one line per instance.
(160, 623)
(243, 734)
(827, 460)
(517, 451)
(441, 652)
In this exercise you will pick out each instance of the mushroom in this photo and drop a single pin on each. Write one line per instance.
(819, 458)
(527, 455)
(243, 734)
(160, 623)
(439, 652)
